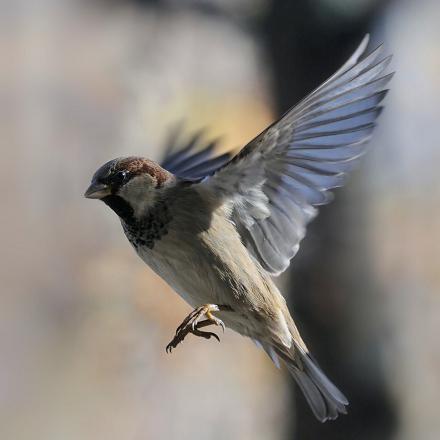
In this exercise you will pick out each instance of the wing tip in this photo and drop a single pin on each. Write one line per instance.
(364, 43)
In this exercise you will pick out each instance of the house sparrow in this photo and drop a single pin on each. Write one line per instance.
(216, 228)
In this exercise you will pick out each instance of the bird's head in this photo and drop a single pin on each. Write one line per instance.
(129, 185)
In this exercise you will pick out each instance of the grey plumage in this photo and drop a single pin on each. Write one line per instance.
(302, 156)
(190, 160)
(217, 228)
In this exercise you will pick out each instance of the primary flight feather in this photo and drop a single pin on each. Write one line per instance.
(217, 228)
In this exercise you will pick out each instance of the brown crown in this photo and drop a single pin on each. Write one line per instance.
(139, 165)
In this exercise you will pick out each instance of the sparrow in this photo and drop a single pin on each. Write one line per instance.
(217, 228)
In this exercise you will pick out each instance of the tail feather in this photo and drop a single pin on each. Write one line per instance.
(325, 400)
(323, 382)
(312, 394)
(271, 353)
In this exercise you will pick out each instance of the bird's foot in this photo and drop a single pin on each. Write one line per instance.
(194, 322)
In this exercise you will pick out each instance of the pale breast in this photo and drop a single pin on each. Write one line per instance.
(168, 239)
(200, 255)
(180, 272)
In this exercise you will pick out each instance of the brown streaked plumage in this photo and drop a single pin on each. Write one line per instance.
(216, 229)
(139, 165)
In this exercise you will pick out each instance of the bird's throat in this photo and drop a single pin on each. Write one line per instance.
(121, 207)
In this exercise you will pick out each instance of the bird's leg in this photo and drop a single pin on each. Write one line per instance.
(194, 322)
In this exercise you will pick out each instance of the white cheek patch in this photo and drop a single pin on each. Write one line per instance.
(140, 193)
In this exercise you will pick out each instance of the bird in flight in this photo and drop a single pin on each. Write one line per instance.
(216, 228)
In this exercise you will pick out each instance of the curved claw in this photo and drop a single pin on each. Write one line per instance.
(206, 335)
(222, 325)
(193, 323)
(215, 336)
(218, 322)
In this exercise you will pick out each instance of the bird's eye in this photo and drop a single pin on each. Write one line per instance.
(120, 177)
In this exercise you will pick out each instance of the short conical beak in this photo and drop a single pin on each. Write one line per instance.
(97, 191)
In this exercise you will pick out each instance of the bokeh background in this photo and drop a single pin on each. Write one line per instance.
(84, 323)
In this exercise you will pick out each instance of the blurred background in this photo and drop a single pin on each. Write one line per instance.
(84, 323)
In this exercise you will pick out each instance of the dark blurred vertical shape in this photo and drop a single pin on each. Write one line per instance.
(331, 285)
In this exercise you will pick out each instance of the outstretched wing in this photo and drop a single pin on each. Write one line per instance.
(193, 159)
(278, 179)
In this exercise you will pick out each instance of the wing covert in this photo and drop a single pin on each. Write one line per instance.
(277, 180)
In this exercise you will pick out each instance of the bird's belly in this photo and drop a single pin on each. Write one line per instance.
(199, 278)
(189, 276)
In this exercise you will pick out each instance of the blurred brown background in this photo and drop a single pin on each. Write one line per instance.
(84, 323)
